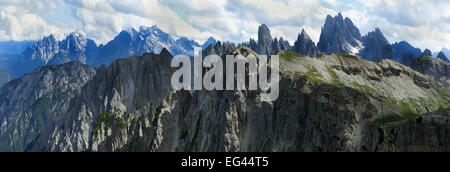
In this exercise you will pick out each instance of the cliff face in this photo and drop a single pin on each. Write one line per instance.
(331, 103)
(31, 103)
(129, 85)
(434, 68)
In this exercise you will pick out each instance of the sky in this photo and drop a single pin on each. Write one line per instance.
(423, 23)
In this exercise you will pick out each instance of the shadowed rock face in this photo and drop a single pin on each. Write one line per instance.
(425, 133)
(405, 53)
(426, 52)
(264, 40)
(376, 46)
(304, 45)
(331, 103)
(131, 85)
(31, 103)
(434, 68)
(442, 56)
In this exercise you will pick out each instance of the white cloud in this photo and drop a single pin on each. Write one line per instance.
(422, 23)
(18, 23)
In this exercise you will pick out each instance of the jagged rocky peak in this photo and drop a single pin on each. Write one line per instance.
(266, 45)
(265, 40)
(304, 45)
(405, 53)
(43, 50)
(442, 56)
(187, 44)
(339, 35)
(211, 41)
(219, 49)
(376, 47)
(50, 51)
(284, 44)
(427, 53)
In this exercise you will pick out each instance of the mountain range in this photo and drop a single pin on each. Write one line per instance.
(339, 35)
(350, 92)
(76, 47)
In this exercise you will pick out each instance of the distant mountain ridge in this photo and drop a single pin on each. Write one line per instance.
(338, 35)
(50, 51)
(14, 47)
(76, 47)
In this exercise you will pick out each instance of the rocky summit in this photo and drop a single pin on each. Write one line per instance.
(50, 51)
(376, 47)
(339, 35)
(335, 102)
(405, 53)
(427, 53)
(304, 45)
(30, 104)
(443, 57)
(265, 40)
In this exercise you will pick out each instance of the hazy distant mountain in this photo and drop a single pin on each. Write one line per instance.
(6, 60)
(210, 41)
(445, 51)
(405, 53)
(443, 57)
(50, 51)
(146, 39)
(14, 47)
(75, 47)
